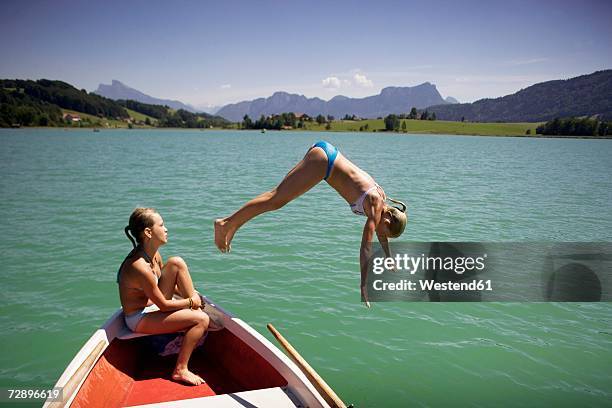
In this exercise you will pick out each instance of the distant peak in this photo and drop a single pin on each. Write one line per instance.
(393, 89)
(426, 85)
(119, 90)
(283, 94)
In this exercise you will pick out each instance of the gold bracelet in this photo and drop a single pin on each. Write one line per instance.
(190, 303)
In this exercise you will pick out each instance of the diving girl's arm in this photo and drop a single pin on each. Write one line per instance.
(384, 243)
(372, 208)
(364, 254)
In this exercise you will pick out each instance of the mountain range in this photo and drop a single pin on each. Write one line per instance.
(585, 95)
(117, 90)
(390, 100)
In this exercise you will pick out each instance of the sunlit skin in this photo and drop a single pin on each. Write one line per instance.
(174, 278)
(346, 178)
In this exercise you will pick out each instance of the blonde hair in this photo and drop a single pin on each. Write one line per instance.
(399, 218)
(140, 219)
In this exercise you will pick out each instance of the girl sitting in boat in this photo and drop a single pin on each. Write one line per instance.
(147, 286)
(324, 162)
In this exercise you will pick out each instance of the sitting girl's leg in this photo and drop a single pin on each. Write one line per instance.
(193, 322)
(305, 175)
(175, 277)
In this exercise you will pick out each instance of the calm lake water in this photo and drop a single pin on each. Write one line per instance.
(66, 196)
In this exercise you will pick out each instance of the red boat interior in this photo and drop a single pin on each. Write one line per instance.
(129, 373)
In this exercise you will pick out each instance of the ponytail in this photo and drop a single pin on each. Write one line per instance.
(398, 218)
(403, 209)
(127, 232)
(140, 219)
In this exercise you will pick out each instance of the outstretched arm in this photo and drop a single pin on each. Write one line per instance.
(373, 211)
(364, 254)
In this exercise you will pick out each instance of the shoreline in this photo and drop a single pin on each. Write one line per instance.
(537, 136)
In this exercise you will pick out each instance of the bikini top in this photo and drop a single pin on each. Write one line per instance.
(357, 206)
(146, 258)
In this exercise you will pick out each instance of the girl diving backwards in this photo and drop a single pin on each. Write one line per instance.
(323, 161)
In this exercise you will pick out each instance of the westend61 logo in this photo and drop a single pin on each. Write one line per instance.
(471, 271)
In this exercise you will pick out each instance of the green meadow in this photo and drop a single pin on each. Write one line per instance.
(366, 125)
(88, 120)
(141, 116)
(430, 126)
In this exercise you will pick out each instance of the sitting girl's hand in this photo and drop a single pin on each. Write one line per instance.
(197, 301)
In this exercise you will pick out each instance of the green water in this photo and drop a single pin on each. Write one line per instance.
(66, 196)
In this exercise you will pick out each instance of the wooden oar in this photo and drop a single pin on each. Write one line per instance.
(325, 390)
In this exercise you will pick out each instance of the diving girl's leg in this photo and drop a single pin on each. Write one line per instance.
(305, 175)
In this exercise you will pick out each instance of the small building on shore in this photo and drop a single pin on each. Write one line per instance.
(72, 117)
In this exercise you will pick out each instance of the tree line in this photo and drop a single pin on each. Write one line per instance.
(393, 121)
(66, 96)
(17, 108)
(575, 127)
(155, 111)
(185, 119)
(290, 120)
(276, 122)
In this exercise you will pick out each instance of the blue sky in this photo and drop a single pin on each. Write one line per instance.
(213, 53)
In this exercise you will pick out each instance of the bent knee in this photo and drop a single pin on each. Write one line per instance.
(202, 319)
(177, 262)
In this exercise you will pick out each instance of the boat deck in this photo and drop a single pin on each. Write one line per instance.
(269, 397)
(129, 373)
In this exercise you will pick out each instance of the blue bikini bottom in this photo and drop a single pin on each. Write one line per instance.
(331, 151)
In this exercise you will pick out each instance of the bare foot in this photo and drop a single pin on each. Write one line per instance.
(187, 376)
(223, 235)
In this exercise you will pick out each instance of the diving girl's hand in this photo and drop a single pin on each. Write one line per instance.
(364, 294)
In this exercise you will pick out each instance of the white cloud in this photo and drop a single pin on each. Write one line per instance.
(226, 86)
(336, 81)
(331, 82)
(362, 81)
